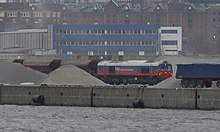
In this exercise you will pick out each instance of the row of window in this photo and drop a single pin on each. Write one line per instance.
(91, 53)
(28, 14)
(95, 57)
(100, 32)
(67, 43)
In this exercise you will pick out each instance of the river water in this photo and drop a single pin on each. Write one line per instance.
(15, 118)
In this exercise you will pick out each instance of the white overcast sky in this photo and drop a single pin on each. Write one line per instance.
(2, 0)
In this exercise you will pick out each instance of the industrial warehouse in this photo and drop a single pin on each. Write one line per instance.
(86, 42)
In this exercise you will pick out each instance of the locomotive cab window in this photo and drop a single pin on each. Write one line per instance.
(165, 67)
(169, 67)
(162, 67)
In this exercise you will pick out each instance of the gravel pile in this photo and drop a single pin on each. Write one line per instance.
(72, 75)
(16, 74)
(175, 83)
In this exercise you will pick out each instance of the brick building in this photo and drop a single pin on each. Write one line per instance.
(200, 24)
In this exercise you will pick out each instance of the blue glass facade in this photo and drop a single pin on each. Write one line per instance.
(105, 39)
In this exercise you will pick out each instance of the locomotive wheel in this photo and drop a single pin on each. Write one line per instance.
(192, 83)
(208, 84)
(142, 81)
(218, 83)
(200, 84)
(124, 81)
(110, 81)
(155, 80)
(150, 81)
(115, 81)
(184, 83)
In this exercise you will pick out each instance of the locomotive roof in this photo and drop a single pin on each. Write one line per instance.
(129, 63)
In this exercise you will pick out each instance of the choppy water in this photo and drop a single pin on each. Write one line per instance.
(87, 119)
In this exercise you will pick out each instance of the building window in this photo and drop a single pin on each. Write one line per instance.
(121, 53)
(141, 53)
(58, 14)
(106, 53)
(169, 31)
(171, 50)
(90, 53)
(69, 52)
(169, 42)
(12, 14)
(25, 14)
(37, 14)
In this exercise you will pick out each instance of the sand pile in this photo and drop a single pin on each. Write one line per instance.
(15, 74)
(72, 75)
(173, 82)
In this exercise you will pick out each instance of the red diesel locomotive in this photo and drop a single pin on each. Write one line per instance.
(133, 72)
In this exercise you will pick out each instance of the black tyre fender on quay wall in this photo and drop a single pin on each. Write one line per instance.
(38, 99)
(138, 103)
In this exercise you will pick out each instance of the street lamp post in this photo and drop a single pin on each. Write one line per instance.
(213, 45)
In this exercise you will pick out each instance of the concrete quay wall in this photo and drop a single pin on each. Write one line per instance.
(208, 99)
(170, 98)
(53, 95)
(115, 96)
(112, 96)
